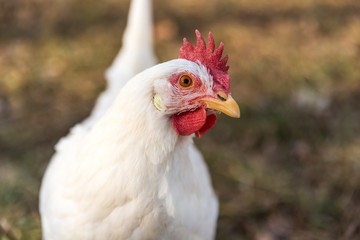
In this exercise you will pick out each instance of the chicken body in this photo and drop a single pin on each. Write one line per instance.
(131, 170)
(131, 176)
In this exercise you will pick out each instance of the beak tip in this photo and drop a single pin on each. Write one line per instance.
(237, 114)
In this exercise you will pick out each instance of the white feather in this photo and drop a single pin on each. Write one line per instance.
(124, 173)
(130, 177)
(135, 56)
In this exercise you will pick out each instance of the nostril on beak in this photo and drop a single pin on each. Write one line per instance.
(221, 96)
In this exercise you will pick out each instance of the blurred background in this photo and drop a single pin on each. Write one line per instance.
(289, 168)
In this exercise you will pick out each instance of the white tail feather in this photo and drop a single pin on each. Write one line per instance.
(135, 55)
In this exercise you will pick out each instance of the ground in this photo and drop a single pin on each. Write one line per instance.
(289, 168)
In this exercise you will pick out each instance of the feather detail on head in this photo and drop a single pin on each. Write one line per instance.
(209, 58)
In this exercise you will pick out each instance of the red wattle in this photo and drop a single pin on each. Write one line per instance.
(197, 122)
(187, 123)
(210, 122)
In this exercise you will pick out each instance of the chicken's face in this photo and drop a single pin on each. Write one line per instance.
(196, 89)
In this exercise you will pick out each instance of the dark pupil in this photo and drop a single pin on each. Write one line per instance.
(186, 81)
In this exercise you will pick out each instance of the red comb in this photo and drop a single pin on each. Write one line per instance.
(208, 57)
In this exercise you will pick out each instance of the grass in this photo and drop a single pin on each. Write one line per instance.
(288, 169)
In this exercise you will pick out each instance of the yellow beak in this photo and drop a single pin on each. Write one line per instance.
(225, 104)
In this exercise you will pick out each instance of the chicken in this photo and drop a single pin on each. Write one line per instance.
(131, 170)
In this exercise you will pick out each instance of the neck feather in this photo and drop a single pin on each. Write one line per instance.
(133, 122)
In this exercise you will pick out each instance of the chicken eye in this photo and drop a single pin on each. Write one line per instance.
(185, 81)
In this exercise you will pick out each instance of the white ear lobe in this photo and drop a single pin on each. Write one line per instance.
(158, 102)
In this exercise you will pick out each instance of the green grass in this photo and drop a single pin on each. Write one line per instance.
(289, 168)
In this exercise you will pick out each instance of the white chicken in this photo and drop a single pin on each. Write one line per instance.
(131, 170)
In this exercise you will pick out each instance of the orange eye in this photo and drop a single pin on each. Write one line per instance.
(185, 81)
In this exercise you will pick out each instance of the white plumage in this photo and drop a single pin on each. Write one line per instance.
(135, 56)
(125, 173)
